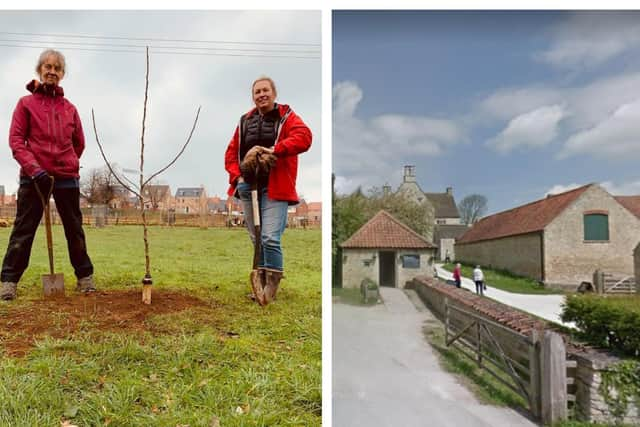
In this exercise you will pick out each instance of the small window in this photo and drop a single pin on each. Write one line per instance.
(411, 261)
(596, 227)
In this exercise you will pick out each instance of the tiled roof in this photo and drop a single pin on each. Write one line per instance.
(444, 205)
(448, 231)
(632, 203)
(524, 219)
(315, 206)
(385, 232)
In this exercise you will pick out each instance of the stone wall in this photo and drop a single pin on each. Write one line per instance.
(636, 267)
(569, 259)
(405, 275)
(519, 254)
(590, 405)
(354, 270)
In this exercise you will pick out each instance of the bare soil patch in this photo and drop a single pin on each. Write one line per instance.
(121, 311)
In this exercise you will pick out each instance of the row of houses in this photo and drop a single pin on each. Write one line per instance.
(560, 240)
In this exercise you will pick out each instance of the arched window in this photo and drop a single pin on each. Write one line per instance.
(596, 226)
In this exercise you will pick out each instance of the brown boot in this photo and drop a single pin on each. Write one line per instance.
(272, 281)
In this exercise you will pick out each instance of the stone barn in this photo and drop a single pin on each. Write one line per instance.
(386, 251)
(559, 240)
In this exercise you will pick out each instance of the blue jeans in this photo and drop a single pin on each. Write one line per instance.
(273, 219)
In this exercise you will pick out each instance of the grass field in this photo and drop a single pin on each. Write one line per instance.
(225, 362)
(504, 280)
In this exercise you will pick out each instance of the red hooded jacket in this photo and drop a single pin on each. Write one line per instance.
(294, 137)
(46, 133)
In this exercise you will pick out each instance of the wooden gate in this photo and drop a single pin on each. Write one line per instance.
(510, 357)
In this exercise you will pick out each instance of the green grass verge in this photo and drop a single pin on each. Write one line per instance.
(505, 280)
(486, 388)
(350, 296)
(268, 372)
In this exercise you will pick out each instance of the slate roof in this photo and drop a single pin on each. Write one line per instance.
(383, 231)
(189, 192)
(524, 219)
(448, 231)
(632, 203)
(444, 205)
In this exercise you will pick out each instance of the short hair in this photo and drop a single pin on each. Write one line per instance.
(49, 52)
(269, 79)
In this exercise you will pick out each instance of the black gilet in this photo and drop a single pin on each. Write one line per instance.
(259, 129)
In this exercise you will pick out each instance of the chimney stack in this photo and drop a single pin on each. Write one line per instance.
(386, 189)
(409, 174)
(450, 191)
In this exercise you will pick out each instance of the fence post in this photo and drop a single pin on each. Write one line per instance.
(553, 381)
(534, 374)
(478, 344)
(598, 281)
(446, 320)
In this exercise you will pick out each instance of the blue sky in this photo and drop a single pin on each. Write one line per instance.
(508, 104)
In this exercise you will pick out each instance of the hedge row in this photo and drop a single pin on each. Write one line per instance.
(611, 322)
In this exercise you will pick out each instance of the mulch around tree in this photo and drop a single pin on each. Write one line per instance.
(117, 311)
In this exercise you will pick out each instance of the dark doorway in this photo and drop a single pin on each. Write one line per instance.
(388, 269)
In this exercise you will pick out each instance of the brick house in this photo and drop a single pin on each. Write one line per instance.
(158, 197)
(559, 240)
(386, 251)
(314, 213)
(191, 200)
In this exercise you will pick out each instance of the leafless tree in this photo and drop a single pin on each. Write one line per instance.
(139, 188)
(98, 186)
(155, 193)
(472, 208)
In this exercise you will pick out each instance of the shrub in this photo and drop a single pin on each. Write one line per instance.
(609, 322)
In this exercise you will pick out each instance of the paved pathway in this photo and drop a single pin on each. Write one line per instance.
(386, 374)
(545, 306)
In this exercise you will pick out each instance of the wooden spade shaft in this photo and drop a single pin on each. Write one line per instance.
(255, 208)
(47, 224)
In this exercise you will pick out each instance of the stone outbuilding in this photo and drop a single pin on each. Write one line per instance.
(386, 251)
(559, 240)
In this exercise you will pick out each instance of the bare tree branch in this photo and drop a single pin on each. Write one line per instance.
(95, 131)
(180, 152)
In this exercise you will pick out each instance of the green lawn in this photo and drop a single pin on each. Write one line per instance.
(506, 281)
(231, 361)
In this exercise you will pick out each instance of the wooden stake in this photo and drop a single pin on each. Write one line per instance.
(146, 294)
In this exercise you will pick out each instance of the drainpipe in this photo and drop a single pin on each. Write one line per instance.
(542, 270)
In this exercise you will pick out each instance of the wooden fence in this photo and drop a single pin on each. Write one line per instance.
(535, 366)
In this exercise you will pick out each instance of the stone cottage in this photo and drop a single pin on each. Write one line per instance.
(559, 240)
(386, 251)
(446, 217)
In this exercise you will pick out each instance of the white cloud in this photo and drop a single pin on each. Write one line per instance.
(588, 38)
(630, 188)
(617, 136)
(370, 151)
(585, 108)
(533, 129)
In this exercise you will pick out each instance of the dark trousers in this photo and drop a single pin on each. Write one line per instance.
(28, 217)
(479, 287)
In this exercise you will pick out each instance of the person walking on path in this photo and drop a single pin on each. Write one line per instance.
(47, 141)
(281, 135)
(478, 277)
(457, 275)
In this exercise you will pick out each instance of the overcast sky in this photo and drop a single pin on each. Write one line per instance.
(511, 105)
(112, 83)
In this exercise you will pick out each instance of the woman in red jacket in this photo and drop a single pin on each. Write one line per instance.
(277, 128)
(47, 141)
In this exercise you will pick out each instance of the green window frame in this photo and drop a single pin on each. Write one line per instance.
(596, 227)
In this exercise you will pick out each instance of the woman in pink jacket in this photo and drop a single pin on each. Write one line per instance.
(457, 275)
(47, 141)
